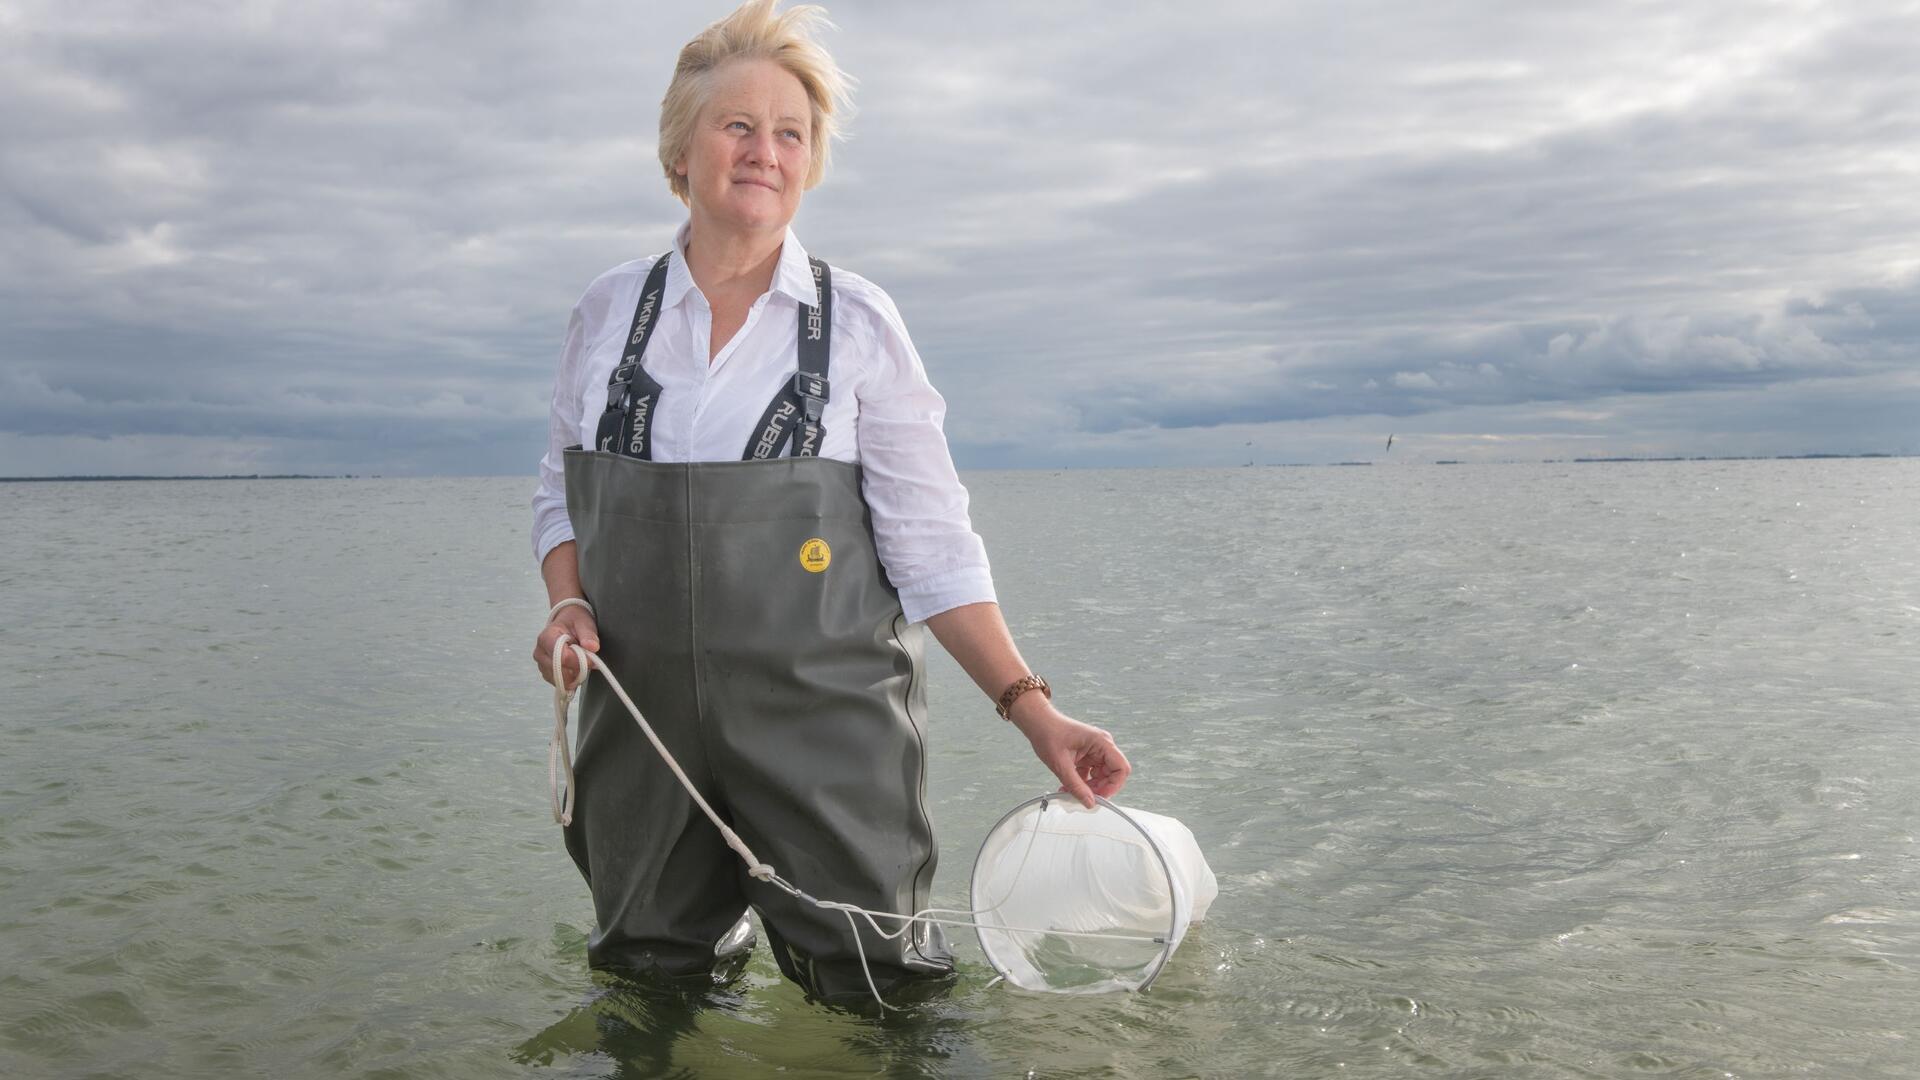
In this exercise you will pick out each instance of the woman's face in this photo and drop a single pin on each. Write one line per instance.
(747, 162)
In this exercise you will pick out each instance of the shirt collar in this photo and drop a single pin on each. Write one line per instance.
(792, 277)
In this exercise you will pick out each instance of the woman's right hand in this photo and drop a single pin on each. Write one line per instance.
(574, 622)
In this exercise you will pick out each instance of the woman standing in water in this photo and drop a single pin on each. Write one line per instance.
(747, 509)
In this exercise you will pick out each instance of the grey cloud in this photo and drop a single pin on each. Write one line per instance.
(1114, 231)
(1415, 374)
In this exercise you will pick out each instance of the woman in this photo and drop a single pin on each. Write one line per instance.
(766, 512)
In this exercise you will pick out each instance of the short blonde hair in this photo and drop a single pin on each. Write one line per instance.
(755, 32)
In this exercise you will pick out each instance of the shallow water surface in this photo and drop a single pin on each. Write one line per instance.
(1522, 770)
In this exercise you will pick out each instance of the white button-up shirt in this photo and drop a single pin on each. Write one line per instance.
(882, 413)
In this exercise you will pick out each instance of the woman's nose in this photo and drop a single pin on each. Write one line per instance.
(760, 149)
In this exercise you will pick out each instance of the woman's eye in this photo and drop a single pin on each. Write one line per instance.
(741, 124)
(791, 134)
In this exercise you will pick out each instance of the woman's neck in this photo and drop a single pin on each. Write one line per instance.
(725, 261)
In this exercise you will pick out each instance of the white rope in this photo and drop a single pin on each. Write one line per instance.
(571, 601)
(560, 756)
(562, 694)
(560, 759)
(559, 753)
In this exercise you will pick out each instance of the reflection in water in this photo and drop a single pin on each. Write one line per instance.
(914, 1038)
(693, 1027)
(634, 1024)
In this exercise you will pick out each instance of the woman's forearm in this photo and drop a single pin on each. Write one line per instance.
(561, 571)
(1082, 756)
(977, 637)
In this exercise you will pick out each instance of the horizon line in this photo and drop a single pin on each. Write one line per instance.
(1818, 456)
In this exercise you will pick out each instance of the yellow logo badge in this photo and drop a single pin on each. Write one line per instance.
(815, 555)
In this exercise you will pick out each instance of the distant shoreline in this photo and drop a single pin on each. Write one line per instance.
(1737, 457)
(1266, 464)
(230, 476)
(1590, 460)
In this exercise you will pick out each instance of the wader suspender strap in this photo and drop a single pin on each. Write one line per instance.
(796, 411)
(632, 395)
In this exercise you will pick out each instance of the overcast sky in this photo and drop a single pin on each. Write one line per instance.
(266, 237)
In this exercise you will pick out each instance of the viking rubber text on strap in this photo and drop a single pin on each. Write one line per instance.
(795, 415)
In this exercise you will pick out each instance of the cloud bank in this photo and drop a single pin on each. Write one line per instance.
(272, 237)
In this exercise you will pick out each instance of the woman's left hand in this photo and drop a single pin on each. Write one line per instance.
(1084, 757)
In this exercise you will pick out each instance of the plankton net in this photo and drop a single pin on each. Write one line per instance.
(1074, 900)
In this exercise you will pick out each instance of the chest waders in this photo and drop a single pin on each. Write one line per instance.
(746, 609)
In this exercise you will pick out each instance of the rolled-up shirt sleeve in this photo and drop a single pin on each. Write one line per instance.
(551, 526)
(922, 531)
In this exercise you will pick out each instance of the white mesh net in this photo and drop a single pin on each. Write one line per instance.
(1136, 879)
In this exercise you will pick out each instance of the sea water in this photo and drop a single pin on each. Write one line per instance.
(1506, 770)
